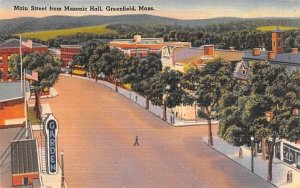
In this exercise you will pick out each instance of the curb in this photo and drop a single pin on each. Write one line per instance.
(239, 164)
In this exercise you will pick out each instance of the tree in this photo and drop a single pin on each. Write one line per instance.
(117, 59)
(48, 70)
(145, 70)
(97, 62)
(263, 108)
(82, 58)
(215, 77)
(108, 62)
(165, 90)
(281, 96)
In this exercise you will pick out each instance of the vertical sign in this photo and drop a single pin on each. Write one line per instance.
(51, 130)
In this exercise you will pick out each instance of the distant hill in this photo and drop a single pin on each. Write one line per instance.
(30, 24)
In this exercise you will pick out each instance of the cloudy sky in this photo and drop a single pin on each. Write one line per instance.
(181, 9)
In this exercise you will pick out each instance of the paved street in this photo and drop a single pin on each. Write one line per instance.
(97, 132)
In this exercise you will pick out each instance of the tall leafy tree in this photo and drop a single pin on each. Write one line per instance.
(108, 62)
(165, 90)
(48, 70)
(145, 70)
(97, 62)
(117, 60)
(215, 78)
(82, 58)
(281, 96)
(264, 108)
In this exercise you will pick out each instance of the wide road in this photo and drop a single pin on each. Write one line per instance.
(97, 132)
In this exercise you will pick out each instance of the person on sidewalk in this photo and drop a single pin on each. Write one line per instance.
(136, 98)
(240, 153)
(291, 177)
(288, 177)
(136, 143)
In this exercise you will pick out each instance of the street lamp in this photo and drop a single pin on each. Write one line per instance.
(252, 162)
(62, 169)
(165, 96)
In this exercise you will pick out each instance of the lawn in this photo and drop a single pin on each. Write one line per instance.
(272, 28)
(31, 116)
(46, 35)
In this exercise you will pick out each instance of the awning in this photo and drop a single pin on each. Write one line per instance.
(79, 72)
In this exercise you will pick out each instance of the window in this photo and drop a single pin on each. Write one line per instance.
(25, 181)
(244, 71)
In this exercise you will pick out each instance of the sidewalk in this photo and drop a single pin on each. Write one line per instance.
(53, 93)
(53, 181)
(141, 101)
(260, 167)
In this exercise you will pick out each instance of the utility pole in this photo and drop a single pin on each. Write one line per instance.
(62, 170)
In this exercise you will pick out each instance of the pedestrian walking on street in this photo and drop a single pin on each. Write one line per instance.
(288, 177)
(240, 153)
(136, 98)
(136, 143)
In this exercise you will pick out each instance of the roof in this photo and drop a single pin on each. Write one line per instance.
(290, 58)
(15, 43)
(143, 41)
(189, 55)
(11, 90)
(24, 157)
(82, 44)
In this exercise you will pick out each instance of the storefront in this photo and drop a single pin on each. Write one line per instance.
(291, 155)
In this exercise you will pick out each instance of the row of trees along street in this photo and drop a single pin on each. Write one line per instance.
(264, 106)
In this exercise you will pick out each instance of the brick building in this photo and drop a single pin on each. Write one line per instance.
(11, 47)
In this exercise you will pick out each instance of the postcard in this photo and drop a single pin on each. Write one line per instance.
(134, 94)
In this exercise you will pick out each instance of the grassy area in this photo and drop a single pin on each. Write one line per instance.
(46, 35)
(31, 116)
(272, 28)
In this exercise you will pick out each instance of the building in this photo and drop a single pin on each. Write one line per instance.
(11, 47)
(176, 58)
(68, 52)
(24, 162)
(141, 47)
(277, 57)
(12, 113)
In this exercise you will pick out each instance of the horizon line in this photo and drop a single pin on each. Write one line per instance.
(286, 17)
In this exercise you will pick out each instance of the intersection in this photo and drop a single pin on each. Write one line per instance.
(98, 128)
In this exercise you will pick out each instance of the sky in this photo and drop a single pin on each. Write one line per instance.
(180, 9)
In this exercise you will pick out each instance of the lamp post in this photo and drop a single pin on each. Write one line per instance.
(252, 161)
(62, 170)
(165, 96)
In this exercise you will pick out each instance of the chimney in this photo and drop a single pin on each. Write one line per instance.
(209, 50)
(137, 38)
(294, 50)
(231, 48)
(256, 51)
(271, 55)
